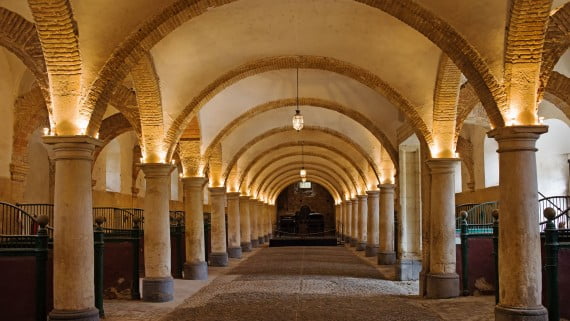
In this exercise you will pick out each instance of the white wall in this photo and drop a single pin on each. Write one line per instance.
(174, 185)
(113, 167)
(552, 158)
(491, 162)
(37, 181)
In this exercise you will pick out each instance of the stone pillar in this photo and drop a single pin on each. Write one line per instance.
(362, 220)
(269, 217)
(519, 238)
(157, 284)
(372, 237)
(354, 224)
(73, 274)
(244, 224)
(386, 253)
(195, 267)
(260, 229)
(219, 256)
(234, 240)
(442, 279)
(253, 222)
(348, 215)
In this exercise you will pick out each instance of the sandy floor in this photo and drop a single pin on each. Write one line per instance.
(301, 283)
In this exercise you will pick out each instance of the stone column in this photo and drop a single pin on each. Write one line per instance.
(73, 274)
(442, 279)
(386, 253)
(219, 256)
(348, 215)
(157, 284)
(354, 224)
(260, 229)
(234, 240)
(253, 222)
(195, 267)
(244, 224)
(372, 237)
(362, 220)
(269, 217)
(519, 238)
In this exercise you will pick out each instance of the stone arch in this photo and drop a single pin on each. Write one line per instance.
(310, 166)
(295, 175)
(241, 178)
(19, 36)
(464, 55)
(270, 133)
(60, 43)
(283, 184)
(557, 41)
(445, 107)
(558, 92)
(316, 102)
(338, 169)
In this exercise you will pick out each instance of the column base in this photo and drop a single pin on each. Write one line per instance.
(387, 258)
(266, 238)
(347, 239)
(371, 250)
(218, 259)
(260, 240)
(196, 271)
(353, 242)
(91, 314)
(255, 243)
(361, 246)
(158, 289)
(246, 246)
(408, 270)
(442, 286)
(234, 252)
(503, 313)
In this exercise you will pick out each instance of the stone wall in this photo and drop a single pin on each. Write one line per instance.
(318, 199)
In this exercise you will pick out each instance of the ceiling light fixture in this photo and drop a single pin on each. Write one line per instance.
(303, 171)
(298, 118)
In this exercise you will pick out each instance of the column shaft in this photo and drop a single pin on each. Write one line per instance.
(519, 238)
(253, 220)
(234, 239)
(219, 256)
(354, 224)
(195, 267)
(386, 253)
(244, 223)
(157, 284)
(362, 221)
(73, 259)
(442, 279)
(260, 229)
(372, 237)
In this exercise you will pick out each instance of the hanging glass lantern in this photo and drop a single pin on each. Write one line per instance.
(303, 179)
(303, 173)
(298, 120)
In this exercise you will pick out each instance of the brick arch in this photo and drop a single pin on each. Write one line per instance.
(306, 101)
(60, 44)
(268, 182)
(557, 41)
(467, 101)
(286, 182)
(289, 178)
(441, 33)
(304, 62)
(20, 37)
(558, 92)
(333, 149)
(306, 129)
(338, 167)
(295, 174)
(465, 150)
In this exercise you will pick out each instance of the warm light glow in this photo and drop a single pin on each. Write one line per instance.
(181, 175)
(303, 179)
(541, 120)
(173, 162)
(298, 121)
(141, 160)
(97, 135)
(46, 131)
(303, 173)
(456, 155)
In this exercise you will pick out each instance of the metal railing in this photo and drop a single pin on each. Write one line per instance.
(115, 218)
(16, 221)
(560, 219)
(36, 210)
(479, 214)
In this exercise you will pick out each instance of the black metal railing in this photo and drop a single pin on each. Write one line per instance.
(176, 217)
(561, 219)
(115, 218)
(552, 244)
(16, 221)
(480, 214)
(478, 231)
(37, 246)
(37, 210)
(464, 208)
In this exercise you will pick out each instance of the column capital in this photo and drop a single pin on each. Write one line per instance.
(442, 165)
(362, 197)
(196, 182)
(386, 186)
(156, 169)
(217, 191)
(373, 193)
(244, 197)
(353, 199)
(233, 195)
(517, 138)
(72, 147)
